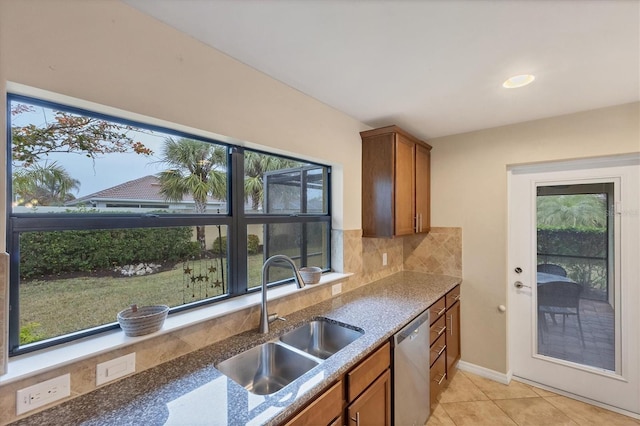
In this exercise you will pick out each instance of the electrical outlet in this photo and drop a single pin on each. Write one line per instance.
(42, 393)
(115, 368)
(336, 289)
(384, 259)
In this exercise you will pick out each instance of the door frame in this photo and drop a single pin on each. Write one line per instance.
(574, 170)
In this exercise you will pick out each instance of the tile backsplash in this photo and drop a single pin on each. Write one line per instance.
(439, 252)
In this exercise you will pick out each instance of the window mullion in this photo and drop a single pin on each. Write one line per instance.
(238, 241)
(14, 291)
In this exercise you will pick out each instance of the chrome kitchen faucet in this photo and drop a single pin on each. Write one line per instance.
(265, 318)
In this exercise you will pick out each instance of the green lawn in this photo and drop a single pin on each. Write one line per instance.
(56, 307)
(50, 308)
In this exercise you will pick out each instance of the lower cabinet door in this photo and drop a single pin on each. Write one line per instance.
(325, 410)
(373, 407)
(438, 375)
(453, 338)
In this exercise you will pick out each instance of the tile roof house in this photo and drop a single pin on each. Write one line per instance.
(141, 193)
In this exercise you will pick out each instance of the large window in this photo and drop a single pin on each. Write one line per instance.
(106, 212)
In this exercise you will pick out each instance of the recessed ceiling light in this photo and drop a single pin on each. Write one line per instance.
(518, 81)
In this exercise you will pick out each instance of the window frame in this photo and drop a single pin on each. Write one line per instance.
(235, 219)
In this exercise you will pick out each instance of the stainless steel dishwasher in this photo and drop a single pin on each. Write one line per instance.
(411, 373)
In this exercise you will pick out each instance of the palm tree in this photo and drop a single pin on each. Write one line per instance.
(196, 168)
(588, 210)
(255, 166)
(46, 185)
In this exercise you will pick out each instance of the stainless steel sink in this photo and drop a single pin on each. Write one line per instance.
(267, 368)
(321, 338)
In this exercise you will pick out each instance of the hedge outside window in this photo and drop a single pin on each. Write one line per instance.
(106, 212)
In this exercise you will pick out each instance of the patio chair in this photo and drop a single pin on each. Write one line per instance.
(560, 298)
(551, 268)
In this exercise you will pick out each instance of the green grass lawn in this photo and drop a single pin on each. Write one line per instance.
(51, 308)
(55, 307)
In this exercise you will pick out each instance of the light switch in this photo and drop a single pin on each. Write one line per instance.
(115, 368)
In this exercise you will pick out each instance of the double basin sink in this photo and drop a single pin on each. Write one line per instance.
(269, 367)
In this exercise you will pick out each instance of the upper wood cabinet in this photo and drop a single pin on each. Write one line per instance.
(396, 169)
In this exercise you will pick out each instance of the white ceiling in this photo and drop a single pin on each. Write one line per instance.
(433, 67)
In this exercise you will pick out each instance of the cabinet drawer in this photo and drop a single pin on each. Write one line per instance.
(437, 349)
(437, 309)
(453, 296)
(364, 374)
(438, 379)
(438, 329)
(323, 410)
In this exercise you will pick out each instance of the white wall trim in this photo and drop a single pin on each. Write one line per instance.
(630, 159)
(487, 373)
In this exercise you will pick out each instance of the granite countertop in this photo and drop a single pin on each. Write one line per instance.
(190, 391)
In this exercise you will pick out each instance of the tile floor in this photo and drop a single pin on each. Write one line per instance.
(471, 400)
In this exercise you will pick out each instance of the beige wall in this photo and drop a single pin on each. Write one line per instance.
(109, 53)
(469, 190)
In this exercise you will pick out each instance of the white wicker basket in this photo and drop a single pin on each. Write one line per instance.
(311, 274)
(140, 321)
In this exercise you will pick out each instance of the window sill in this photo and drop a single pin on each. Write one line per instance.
(30, 364)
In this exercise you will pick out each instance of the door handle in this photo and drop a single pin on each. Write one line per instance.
(518, 284)
(357, 419)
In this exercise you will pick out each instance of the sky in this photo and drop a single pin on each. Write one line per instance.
(106, 171)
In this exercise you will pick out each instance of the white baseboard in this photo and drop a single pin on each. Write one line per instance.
(496, 376)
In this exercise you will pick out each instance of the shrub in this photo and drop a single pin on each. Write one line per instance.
(589, 242)
(220, 245)
(57, 252)
(253, 244)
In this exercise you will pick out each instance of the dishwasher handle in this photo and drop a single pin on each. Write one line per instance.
(412, 328)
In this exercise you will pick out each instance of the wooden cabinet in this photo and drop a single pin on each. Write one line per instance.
(445, 341)
(369, 390)
(438, 350)
(363, 394)
(423, 188)
(437, 310)
(324, 410)
(438, 374)
(361, 376)
(396, 170)
(453, 330)
(373, 407)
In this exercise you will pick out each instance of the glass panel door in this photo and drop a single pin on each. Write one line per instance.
(575, 303)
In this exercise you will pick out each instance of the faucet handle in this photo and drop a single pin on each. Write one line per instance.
(272, 317)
